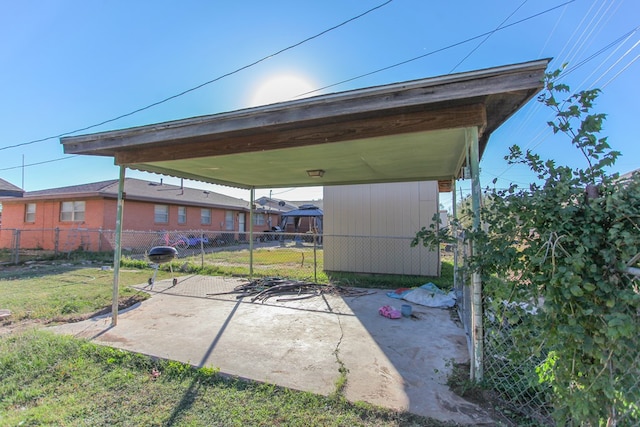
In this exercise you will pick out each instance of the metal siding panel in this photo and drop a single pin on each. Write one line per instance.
(379, 210)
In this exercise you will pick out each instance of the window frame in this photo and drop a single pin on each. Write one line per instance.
(182, 216)
(229, 221)
(205, 216)
(160, 217)
(29, 216)
(259, 219)
(76, 213)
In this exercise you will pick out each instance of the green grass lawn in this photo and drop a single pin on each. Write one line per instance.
(46, 379)
(63, 292)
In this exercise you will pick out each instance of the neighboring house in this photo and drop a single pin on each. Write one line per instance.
(8, 190)
(368, 228)
(270, 210)
(148, 206)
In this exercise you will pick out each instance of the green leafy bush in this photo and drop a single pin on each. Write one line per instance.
(567, 247)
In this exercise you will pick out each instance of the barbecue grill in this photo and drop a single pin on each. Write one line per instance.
(162, 255)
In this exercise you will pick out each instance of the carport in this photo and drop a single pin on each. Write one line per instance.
(429, 129)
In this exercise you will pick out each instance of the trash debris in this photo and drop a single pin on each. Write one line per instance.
(406, 310)
(154, 373)
(263, 289)
(428, 295)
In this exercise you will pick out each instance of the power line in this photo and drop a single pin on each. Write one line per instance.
(617, 62)
(184, 92)
(537, 106)
(39, 163)
(486, 34)
(598, 53)
(620, 39)
(620, 72)
(487, 37)
(433, 52)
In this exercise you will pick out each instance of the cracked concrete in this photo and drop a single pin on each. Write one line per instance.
(399, 364)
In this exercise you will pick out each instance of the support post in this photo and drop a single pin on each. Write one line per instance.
(476, 278)
(16, 246)
(454, 233)
(56, 242)
(253, 200)
(118, 249)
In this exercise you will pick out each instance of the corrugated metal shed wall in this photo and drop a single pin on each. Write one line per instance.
(367, 228)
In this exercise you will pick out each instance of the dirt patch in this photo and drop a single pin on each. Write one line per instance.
(9, 327)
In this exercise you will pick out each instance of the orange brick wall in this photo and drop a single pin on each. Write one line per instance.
(100, 213)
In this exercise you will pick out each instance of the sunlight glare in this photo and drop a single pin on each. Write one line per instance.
(280, 88)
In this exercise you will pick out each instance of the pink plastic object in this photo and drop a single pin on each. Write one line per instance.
(389, 312)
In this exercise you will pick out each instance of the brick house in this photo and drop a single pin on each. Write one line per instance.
(149, 206)
(8, 190)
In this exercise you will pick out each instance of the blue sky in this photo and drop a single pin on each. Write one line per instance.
(66, 65)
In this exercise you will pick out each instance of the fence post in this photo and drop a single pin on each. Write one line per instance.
(100, 239)
(16, 247)
(476, 279)
(315, 256)
(201, 249)
(56, 241)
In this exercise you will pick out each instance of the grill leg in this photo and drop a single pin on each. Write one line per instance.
(152, 280)
(175, 280)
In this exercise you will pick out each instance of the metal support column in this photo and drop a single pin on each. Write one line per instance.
(251, 209)
(118, 249)
(454, 234)
(476, 317)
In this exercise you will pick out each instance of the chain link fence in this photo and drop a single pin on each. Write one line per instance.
(511, 370)
(511, 376)
(274, 252)
(509, 367)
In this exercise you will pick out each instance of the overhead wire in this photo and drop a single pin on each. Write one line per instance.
(570, 46)
(194, 88)
(621, 71)
(433, 52)
(488, 33)
(615, 63)
(623, 38)
(487, 37)
(40, 163)
(596, 54)
(570, 43)
(588, 32)
(529, 112)
(552, 32)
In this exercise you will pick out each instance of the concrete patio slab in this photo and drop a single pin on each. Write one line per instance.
(400, 364)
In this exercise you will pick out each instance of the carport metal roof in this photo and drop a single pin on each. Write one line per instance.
(410, 131)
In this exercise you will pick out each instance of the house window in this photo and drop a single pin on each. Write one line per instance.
(228, 220)
(161, 214)
(182, 215)
(205, 216)
(30, 212)
(258, 219)
(72, 211)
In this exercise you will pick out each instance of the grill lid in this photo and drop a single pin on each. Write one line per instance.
(162, 254)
